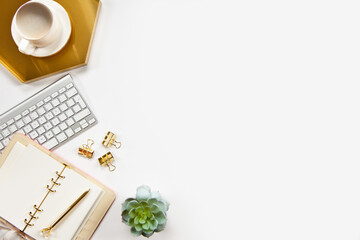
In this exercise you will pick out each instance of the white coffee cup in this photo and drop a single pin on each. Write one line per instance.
(38, 26)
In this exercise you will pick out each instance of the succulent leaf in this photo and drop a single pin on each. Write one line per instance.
(125, 215)
(161, 217)
(156, 195)
(146, 225)
(160, 227)
(153, 224)
(138, 227)
(143, 193)
(136, 220)
(155, 208)
(136, 233)
(132, 213)
(142, 221)
(133, 204)
(125, 204)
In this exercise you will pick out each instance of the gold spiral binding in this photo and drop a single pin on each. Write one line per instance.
(37, 208)
(59, 175)
(56, 183)
(32, 215)
(50, 190)
(28, 223)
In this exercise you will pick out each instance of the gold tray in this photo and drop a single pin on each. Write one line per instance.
(83, 15)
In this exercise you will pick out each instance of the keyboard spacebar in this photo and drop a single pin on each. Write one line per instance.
(51, 143)
(81, 114)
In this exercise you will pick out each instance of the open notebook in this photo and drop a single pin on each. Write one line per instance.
(33, 179)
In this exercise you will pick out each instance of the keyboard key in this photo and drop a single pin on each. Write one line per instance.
(49, 134)
(79, 100)
(81, 114)
(76, 108)
(55, 121)
(84, 125)
(62, 98)
(2, 126)
(41, 130)
(61, 137)
(77, 129)
(6, 141)
(11, 121)
(13, 128)
(70, 103)
(49, 116)
(35, 124)
(39, 104)
(32, 108)
(42, 120)
(41, 139)
(55, 94)
(70, 122)
(71, 92)
(20, 123)
(82, 122)
(56, 111)
(51, 143)
(27, 129)
(24, 113)
(63, 107)
(91, 121)
(47, 99)
(55, 102)
(48, 107)
(27, 119)
(56, 130)
(41, 111)
(69, 132)
(1, 146)
(17, 117)
(62, 117)
(33, 134)
(6, 133)
(1, 137)
(69, 113)
(34, 115)
(62, 90)
(63, 126)
(48, 126)
(69, 85)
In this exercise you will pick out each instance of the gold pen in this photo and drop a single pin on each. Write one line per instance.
(61, 217)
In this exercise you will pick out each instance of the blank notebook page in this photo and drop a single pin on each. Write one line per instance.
(23, 180)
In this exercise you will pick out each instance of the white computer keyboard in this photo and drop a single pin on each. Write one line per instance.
(55, 114)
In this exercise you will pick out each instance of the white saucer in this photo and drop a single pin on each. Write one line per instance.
(59, 44)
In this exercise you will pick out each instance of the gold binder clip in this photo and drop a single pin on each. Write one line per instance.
(86, 150)
(109, 140)
(106, 160)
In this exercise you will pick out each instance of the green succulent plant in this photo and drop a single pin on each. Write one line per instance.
(146, 213)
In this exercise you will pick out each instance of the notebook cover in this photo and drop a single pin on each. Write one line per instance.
(103, 206)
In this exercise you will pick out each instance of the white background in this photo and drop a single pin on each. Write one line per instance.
(243, 114)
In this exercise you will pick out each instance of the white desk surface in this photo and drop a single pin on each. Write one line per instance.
(244, 114)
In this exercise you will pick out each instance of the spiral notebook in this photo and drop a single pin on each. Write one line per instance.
(36, 186)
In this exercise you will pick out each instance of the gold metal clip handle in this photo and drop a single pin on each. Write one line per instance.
(112, 168)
